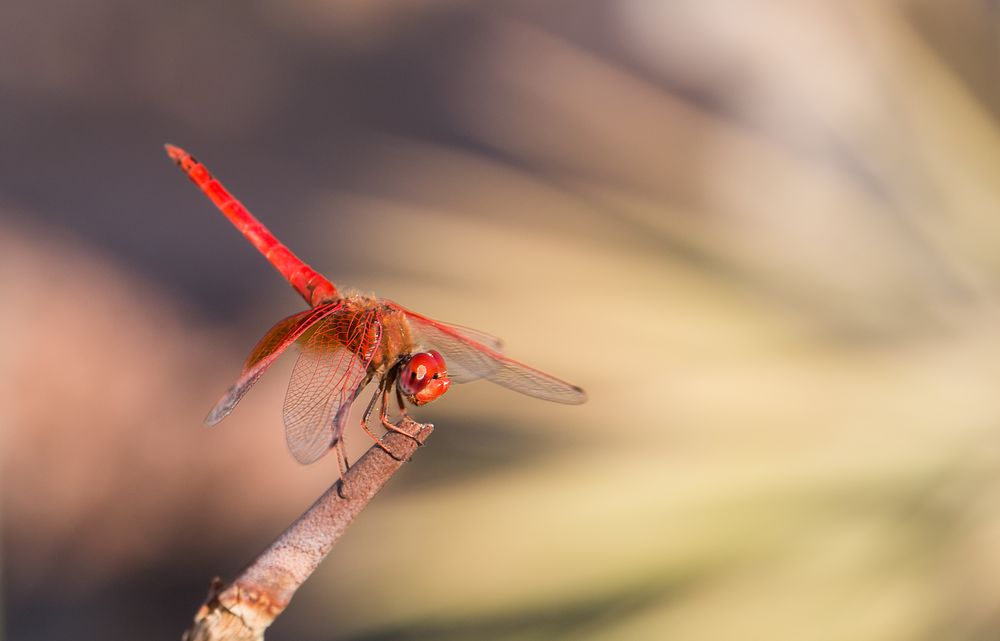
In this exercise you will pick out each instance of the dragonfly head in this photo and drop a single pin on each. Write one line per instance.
(423, 377)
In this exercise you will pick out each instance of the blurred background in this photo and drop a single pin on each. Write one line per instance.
(764, 236)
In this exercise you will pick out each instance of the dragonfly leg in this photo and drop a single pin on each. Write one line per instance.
(342, 464)
(402, 405)
(404, 418)
(381, 392)
(395, 427)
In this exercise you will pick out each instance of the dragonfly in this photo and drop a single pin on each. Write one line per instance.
(348, 340)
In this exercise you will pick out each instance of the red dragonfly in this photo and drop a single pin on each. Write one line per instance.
(348, 340)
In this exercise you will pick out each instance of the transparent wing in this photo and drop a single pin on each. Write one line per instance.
(469, 359)
(267, 350)
(329, 374)
(489, 340)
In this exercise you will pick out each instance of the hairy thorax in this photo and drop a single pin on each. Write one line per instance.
(363, 317)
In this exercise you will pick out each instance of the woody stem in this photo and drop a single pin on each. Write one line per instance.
(243, 609)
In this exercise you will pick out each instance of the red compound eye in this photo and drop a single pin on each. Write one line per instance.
(424, 377)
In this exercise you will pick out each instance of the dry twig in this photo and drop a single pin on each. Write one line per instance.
(242, 610)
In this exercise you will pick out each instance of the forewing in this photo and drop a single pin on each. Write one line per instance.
(489, 340)
(468, 359)
(327, 377)
(267, 350)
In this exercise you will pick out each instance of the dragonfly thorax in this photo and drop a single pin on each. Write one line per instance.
(421, 376)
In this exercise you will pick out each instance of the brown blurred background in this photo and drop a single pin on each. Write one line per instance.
(765, 236)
